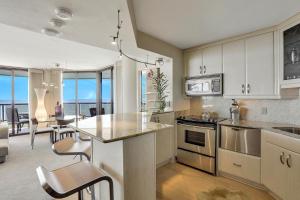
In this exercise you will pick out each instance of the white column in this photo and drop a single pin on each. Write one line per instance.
(126, 86)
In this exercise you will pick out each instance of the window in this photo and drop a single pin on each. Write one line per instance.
(80, 91)
(14, 95)
(143, 90)
(106, 95)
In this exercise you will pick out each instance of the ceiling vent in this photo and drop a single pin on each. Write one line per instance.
(57, 23)
(63, 13)
(50, 32)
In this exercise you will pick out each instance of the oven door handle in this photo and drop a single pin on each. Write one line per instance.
(195, 126)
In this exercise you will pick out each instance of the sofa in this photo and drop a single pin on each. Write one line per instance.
(3, 141)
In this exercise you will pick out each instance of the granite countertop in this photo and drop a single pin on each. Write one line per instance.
(262, 125)
(114, 127)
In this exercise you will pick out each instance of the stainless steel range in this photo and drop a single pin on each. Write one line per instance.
(196, 142)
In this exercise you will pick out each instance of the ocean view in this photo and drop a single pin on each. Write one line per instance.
(87, 91)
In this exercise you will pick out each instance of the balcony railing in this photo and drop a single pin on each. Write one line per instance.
(84, 108)
(22, 109)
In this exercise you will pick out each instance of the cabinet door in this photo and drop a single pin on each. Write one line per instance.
(165, 139)
(293, 176)
(212, 60)
(194, 63)
(273, 172)
(234, 68)
(260, 65)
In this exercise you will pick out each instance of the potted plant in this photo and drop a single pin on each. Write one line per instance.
(160, 84)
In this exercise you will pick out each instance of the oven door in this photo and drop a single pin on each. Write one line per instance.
(196, 139)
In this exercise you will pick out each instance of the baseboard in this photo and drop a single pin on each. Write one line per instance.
(242, 180)
(158, 165)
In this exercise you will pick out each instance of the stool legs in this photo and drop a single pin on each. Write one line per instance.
(111, 188)
(80, 195)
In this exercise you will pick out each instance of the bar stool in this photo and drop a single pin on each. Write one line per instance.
(69, 146)
(66, 181)
(83, 137)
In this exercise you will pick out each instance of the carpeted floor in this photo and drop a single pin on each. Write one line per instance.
(18, 179)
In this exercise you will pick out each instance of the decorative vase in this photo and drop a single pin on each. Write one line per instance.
(40, 113)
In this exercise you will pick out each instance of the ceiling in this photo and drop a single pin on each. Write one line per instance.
(93, 22)
(188, 23)
(85, 42)
(22, 48)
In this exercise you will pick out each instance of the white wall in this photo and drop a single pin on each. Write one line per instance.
(180, 101)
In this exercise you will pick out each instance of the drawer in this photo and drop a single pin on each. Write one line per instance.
(241, 165)
(241, 140)
(196, 160)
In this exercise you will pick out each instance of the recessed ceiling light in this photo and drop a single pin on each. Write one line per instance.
(50, 32)
(63, 13)
(58, 23)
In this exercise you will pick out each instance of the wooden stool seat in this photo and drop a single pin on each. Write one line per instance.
(66, 181)
(69, 146)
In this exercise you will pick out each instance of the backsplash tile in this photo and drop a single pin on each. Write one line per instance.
(278, 111)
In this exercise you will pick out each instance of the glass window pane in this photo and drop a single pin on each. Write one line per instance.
(21, 94)
(106, 84)
(21, 89)
(87, 95)
(5, 93)
(69, 96)
(143, 90)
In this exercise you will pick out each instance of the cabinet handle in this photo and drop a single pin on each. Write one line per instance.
(237, 165)
(204, 67)
(243, 88)
(201, 70)
(248, 88)
(289, 161)
(282, 159)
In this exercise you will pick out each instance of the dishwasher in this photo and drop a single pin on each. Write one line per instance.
(241, 140)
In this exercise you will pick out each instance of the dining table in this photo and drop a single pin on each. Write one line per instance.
(52, 123)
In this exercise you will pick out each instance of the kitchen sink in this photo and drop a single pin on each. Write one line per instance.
(293, 130)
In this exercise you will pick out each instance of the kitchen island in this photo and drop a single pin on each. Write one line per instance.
(124, 146)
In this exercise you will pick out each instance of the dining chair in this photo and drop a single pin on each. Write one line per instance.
(13, 116)
(34, 129)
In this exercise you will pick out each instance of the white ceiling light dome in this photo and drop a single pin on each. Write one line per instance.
(63, 13)
(50, 32)
(57, 23)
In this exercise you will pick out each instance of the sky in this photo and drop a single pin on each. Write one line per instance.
(21, 89)
(86, 90)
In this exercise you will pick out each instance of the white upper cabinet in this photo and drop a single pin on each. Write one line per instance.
(234, 68)
(260, 65)
(193, 62)
(212, 60)
(204, 61)
(249, 70)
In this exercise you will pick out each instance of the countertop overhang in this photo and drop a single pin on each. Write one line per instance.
(115, 127)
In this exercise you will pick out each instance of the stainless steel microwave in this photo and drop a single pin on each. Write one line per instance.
(204, 85)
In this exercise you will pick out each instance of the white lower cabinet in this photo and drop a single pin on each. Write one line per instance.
(281, 165)
(273, 172)
(164, 139)
(241, 165)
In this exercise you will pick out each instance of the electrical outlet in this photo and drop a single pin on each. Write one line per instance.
(264, 110)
